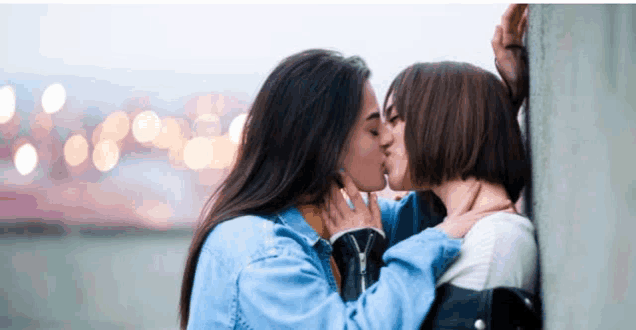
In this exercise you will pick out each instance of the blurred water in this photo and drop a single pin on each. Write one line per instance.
(91, 280)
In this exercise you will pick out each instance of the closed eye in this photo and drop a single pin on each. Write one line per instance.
(393, 119)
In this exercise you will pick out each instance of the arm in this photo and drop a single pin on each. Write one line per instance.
(511, 58)
(297, 295)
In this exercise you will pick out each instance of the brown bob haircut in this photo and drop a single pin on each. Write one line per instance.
(459, 123)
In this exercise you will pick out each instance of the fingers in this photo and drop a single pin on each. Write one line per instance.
(338, 204)
(497, 40)
(352, 191)
(510, 22)
(375, 208)
(523, 24)
(513, 14)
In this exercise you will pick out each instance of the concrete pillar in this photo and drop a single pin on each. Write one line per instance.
(582, 122)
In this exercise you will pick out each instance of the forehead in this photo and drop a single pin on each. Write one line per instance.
(369, 100)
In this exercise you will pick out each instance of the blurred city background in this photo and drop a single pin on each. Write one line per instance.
(118, 122)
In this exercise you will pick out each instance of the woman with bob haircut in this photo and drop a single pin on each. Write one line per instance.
(451, 128)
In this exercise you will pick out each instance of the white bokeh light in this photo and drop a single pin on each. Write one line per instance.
(53, 98)
(26, 159)
(146, 126)
(236, 128)
(7, 104)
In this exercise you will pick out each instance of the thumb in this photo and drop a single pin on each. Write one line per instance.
(497, 40)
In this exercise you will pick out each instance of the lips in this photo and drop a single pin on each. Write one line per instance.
(385, 167)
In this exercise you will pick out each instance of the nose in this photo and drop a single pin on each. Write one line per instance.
(386, 136)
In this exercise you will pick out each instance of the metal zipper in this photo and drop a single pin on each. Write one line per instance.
(363, 259)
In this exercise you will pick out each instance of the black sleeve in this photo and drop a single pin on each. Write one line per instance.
(358, 255)
(490, 309)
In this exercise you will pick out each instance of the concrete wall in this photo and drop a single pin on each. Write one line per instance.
(583, 141)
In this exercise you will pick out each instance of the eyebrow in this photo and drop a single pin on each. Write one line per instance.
(375, 115)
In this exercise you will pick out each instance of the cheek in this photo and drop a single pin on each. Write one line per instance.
(364, 163)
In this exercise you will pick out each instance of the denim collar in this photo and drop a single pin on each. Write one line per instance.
(292, 217)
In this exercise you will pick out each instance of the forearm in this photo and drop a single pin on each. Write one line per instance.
(401, 297)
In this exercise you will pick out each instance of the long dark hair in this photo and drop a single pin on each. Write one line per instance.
(460, 123)
(291, 145)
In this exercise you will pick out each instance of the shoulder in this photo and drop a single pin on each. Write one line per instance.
(511, 250)
(502, 227)
(241, 240)
(500, 250)
(230, 249)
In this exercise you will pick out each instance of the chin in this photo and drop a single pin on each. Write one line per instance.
(396, 185)
(372, 186)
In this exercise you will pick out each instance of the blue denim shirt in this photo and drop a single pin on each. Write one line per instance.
(273, 272)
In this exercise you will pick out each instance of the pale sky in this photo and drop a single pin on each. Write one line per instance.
(104, 54)
(234, 47)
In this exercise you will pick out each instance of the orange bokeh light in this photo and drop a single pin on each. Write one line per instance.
(76, 150)
(198, 153)
(224, 152)
(116, 126)
(169, 135)
(105, 155)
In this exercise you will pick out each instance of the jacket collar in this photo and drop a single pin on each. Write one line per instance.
(294, 219)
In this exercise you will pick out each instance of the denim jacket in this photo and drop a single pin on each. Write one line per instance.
(273, 272)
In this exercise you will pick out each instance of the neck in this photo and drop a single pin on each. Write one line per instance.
(490, 197)
(313, 216)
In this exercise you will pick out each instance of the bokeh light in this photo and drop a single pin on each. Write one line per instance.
(7, 104)
(224, 152)
(198, 153)
(53, 98)
(105, 155)
(207, 125)
(169, 135)
(236, 128)
(146, 126)
(115, 127)
(75, 150)
(26, 159)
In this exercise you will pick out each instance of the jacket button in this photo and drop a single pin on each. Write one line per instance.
(480, 325)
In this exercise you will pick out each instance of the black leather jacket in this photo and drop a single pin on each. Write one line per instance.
(358, 255)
